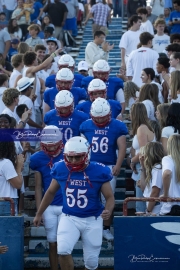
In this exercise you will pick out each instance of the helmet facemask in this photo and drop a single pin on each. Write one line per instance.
(70, 110)
(105, 120)
(78, 166)
(102, 75)
(53, 153)
(99, 93)
(66, 86)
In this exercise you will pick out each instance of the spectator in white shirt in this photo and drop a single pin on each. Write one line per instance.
(3, 87)
(40, 50)
(30, 70)
(130, 39)
(171, 175)
(146, 25)
(24, 86)
(146, 98)
(8, 7)
(151, 175)
(174, 93)
(172, 124)
(131, 92)
(14, 30)
(161, 40)
(18, 64)
(162, 66)
(47, 71)
(23, 47)
(52, 45)
(141, 58)
(11, 99)
(161, 114)
(148, 76)
(175, 60)
(10, 167)
(94, 53)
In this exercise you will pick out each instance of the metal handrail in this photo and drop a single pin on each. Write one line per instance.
(149, 199)
(12, 206)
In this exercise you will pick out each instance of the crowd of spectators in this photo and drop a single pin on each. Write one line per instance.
(40, 87)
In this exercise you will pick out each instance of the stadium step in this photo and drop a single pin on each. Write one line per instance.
(115, 31)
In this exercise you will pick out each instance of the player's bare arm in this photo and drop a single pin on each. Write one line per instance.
(109, 196)
(121, 143)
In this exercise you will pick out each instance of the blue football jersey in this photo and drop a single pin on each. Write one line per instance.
(77, 80)
(79, 198)
(86, 106)
(77, 92)
(69, 126)
(113, 84)
(41, 162)
(50, 81)
(103, 140)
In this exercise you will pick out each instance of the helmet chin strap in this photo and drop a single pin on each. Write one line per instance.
(54, 154)
(85, 176)
(104, 79)
(59, 88)
(78, 168)
(71, 110)
(103, 124)
(50, 163)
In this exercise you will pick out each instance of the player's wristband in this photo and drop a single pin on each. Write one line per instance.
(53, 55)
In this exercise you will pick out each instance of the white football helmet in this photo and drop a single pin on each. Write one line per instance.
(66, 61)
(101, 70)
(51, 136)
(64, 100)
(100, 112)
(64, 79)
(96, 85)
(77, 146)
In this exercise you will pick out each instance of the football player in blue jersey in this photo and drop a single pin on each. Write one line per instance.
(101, 70)
(97, 88)
(64, 116)
(42, 162)
(81, 182)
(107, 135)
(65, 61)
(64, 81)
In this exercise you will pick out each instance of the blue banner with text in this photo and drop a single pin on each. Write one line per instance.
(147, 243)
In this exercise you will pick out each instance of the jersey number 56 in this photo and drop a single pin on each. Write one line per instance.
(101, 144)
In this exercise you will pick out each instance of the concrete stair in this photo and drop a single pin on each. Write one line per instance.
(116, 28)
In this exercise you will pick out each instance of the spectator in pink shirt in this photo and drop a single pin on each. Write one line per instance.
(101, 14)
